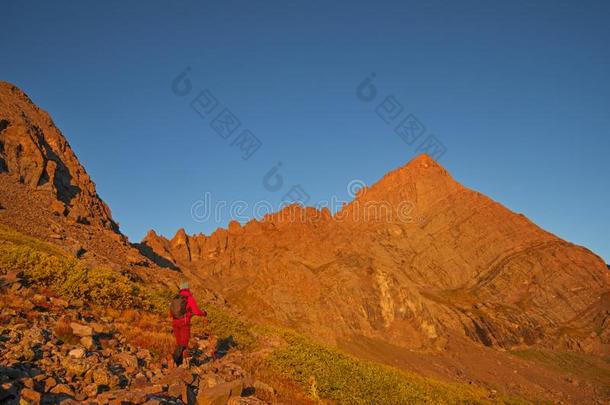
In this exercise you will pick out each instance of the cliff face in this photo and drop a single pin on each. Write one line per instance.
(35, 153)
(45, 192)
(414, 260)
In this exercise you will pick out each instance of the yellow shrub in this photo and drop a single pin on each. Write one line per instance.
(70, 278)
(224, 326)
(326, 372)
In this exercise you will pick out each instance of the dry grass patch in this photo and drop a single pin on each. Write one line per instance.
(587, 367)
(146, 330)
(286, 389)
(159, 344)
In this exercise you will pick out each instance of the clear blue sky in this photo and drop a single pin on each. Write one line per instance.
(518, 92)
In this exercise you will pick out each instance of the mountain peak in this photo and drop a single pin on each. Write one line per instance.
(423, 165)
(422, 180)
(151, 234)
(180, 235)
(423, 160)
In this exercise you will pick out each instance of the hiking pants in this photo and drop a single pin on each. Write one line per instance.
(182, 333)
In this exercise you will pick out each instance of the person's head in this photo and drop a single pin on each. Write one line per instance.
(184, 285)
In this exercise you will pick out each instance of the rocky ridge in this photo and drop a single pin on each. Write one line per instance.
(413, 260)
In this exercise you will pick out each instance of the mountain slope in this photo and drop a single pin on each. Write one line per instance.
(415, 260)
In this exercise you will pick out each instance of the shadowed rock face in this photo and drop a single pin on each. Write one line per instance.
(413, 260)
(33, 151)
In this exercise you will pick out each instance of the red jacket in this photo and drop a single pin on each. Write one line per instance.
(191, 306)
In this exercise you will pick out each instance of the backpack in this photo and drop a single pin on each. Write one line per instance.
(177, 306)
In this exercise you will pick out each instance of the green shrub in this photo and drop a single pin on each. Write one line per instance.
(224, 326)
(72, 279)
(330, 374)
(158, 300)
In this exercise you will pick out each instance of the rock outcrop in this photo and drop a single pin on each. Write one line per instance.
(413, 260)
(35, 153)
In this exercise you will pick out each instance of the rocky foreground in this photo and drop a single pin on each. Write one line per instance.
(53, 351)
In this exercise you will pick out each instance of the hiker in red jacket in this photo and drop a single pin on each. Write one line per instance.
(182, 308)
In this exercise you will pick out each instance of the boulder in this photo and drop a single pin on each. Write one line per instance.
(139, 380)
(87, 342)
(77, 353)
(75, 367)
(31, 396)
(81, 330)
(101, 377)
(178, 374)
(91, 390)
(133, 397)
(220, 394)
(28, 382)
(49, 383)
(175, 389)
(62, 389)
(128, 361)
